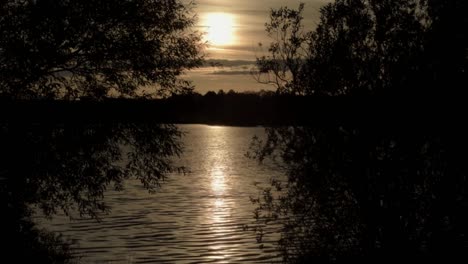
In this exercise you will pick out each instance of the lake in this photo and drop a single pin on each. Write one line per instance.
(197, 217)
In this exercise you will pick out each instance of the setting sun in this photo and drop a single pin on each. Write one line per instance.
(220, 28)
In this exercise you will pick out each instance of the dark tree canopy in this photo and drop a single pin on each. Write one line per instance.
(372, 193)
(404, 47)
(70, 49)
(370, 185)
(67, 167)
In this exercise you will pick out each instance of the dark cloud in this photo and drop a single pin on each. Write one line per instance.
(228, 63)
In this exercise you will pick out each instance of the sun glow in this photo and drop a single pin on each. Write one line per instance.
(220, 29)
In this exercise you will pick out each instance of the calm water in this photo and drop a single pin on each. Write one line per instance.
(193, 218)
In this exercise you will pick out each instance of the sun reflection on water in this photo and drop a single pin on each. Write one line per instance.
(220, 203)
(218, 211)
(218, 182)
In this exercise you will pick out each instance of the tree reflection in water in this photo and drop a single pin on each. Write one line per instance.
(67, 167)
(369, 193)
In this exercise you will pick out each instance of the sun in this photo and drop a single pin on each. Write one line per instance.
(220, 29)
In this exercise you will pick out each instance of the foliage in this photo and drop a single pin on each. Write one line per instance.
(67, 167)
(372, 185)
(366, 193)
(70, 165)
(70, 49)
(64, 49)
(287, 51)
(369, 47)
(24, 242)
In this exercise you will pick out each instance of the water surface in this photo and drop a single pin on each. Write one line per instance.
(193, 218)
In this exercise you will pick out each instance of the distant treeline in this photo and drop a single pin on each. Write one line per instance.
(247, 108)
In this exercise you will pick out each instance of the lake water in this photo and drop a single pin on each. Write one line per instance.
(198, 217)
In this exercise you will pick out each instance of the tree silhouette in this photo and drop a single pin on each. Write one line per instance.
(370, 186)
(69, 49)
(67, 167)
(380, 192)
(287, 51)
(66, 49)
(410, 48)
(369, 47)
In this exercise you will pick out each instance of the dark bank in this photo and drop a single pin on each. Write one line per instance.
(247, 109)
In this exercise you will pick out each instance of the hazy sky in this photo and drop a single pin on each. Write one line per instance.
(234, 29)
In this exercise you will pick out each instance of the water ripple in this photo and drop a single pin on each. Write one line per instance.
(193, 218)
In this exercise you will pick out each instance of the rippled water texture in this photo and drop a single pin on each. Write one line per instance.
(193, 218)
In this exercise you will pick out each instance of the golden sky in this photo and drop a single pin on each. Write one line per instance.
(234, 28)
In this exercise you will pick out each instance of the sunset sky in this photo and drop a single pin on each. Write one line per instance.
(234, 29)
